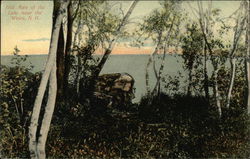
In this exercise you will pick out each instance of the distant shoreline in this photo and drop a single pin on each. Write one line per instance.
(93, 54)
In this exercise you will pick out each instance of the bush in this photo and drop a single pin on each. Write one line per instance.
(194, 127)
(18, 90)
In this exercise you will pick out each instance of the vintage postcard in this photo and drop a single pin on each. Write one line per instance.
(125, 79)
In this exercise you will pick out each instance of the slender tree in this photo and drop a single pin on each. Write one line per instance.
(70, 21)
(60, 64)
(112, 42)
(247, 59)
(165, 47)
(151, 58)
(204, 24)
(216, 89)
(159, 27)
(49, 109)
(35, 151)
(240, 22)
(110, 46)
(59, 53)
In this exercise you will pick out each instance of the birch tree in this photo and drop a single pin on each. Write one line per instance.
(203, 19)
(59, 54)
(204, 25)
(247, 58)
(86, 18)
(49, 109)
(79, 63)
(159, 27)
(37, 145)
(94, 27)
(237, 33)
(71, 16)
(209, 44)
(240, 22)
(217, 62)
(207, 21)
(165, 48)
(111, 44)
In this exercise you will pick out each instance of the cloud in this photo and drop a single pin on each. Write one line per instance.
(36, 40)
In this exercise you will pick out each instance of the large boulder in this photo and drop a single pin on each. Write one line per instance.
(115, 88)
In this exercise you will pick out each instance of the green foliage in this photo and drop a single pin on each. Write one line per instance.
(239, 89)
(192, 44)
(194, 129)
(99, 23)
(156, 26)
(192, 53)
(167, 127)
(17, 93)
(172, 84)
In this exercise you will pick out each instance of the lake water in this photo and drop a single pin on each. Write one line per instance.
(135, 65)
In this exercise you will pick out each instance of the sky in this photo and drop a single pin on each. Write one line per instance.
(27, 24)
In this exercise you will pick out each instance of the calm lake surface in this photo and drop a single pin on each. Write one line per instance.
(135, 65)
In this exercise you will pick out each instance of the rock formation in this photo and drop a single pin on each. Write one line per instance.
(115, 89)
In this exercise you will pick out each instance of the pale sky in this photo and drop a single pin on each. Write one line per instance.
(33, 36)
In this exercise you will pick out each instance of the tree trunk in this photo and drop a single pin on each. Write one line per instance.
(248, 55)
(78, 74)
(147, 74)
(110, 47)
(216, 92)
(48, 114)
(112, 42)
(207, 32)
(150, 60)
(67, 62)
(248, 84)
(158, 76)
(206, 46)
(206, 88)
(237, 34)
(48, 68)
(189, 92)
(79, 64)
(60, 53)
(77, 33)
(60, 64)
(233, 68)
(81, 61)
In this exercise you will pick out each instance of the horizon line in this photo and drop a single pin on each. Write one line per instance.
(94, 54)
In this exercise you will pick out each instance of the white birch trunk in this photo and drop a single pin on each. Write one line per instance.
(112, 42)
(237, 35)
(216, 92)
(78, 72)
(48, 114)
(150, 59)
(204, 25)
(229, 94)
(123, 23)
(39, 98)
(248, 55)
(166, 39)
(79, 65)
(160, 70)
(248, 84)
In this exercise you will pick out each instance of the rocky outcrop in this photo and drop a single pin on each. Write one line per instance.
(115, 89)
